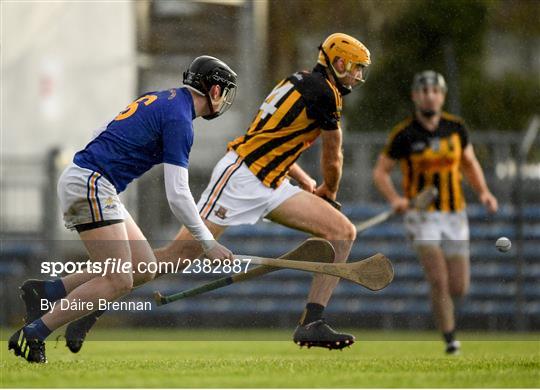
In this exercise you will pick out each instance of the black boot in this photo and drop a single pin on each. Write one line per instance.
(320, 334)
(77, 330)
(32, 291)
(33, 350)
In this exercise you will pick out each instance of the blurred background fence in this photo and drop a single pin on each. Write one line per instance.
(505, 293)
(69, 66)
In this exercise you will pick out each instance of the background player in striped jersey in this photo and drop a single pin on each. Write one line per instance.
(156, 128)
(434, 149)
(252, 180)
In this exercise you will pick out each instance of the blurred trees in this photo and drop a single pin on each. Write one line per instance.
(446, 36)
(450, 37)
(473, 43)
(506, 100)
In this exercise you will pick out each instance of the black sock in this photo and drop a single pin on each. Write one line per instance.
(312, 312)
(449, 337)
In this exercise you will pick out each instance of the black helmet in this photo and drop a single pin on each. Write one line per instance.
(206, 71)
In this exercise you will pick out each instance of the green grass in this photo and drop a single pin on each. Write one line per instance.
(376, 360)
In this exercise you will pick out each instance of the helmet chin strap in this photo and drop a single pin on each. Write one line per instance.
(213, 113)
(343, 89)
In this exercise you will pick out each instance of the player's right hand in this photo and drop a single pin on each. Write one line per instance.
(400, 204)
(220, 252)
(489, 201)
(324, 192)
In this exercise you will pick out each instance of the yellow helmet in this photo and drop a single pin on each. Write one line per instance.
(346, 47)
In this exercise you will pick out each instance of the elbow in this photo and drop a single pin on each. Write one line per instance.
(176, 200)
(339, 158)
(174, 207)
(378, 175)
(334, 166)
(375, 174)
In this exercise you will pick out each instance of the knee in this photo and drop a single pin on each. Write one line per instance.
(343, 230)
(149, 276)
(150, 270)
(350, 231)
(124, 284)
(120, 283)
(143, 278)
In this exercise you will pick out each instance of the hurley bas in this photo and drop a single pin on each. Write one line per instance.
(103, 304)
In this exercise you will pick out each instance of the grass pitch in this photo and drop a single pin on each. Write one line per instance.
(377, 360)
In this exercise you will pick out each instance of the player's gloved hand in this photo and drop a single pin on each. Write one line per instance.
(214, 250)
(400, 204)
(489, 201)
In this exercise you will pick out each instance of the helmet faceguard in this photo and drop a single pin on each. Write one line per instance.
(433, 81)
(205, 72)
(228, 94)
(354, 54)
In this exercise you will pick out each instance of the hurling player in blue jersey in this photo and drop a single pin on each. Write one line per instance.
(156, 128)
(309, 108)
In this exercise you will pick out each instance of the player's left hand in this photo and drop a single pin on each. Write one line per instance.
(308, 184)
(489, 201)
(218, 251)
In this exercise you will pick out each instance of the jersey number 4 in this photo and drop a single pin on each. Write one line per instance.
(269, 105)
(130, 110)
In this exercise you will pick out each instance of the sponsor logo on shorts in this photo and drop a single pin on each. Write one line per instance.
(110, 204)
(221, 212)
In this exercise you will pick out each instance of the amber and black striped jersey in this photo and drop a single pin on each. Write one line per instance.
(289, 120)
(431, 158)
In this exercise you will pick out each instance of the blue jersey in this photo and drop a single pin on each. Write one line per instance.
(156, 128)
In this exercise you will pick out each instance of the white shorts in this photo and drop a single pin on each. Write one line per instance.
(88, 197)
(235, 196)
(448, 230)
